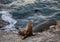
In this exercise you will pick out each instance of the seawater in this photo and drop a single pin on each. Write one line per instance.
(38, 12)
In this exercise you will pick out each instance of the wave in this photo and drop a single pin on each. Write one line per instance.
(47, 9)
(6, 16)
(21, 2)
(47, 17)
(38, 17)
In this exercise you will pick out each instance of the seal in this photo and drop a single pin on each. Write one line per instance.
(27, 31)
(58, 24)
(57, 27)
(44, 26)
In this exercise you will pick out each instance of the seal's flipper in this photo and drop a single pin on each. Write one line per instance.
(24, 37)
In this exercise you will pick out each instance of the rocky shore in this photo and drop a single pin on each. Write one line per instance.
(45, 36)
(45, 32)
(50, 35)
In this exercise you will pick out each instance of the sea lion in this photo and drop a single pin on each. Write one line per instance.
(44, 26)
(58, 24)
(27, 31)
(57, 27)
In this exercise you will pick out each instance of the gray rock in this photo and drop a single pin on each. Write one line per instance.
(39, 37)
(45, 36)
(3, 23)
(44, 26)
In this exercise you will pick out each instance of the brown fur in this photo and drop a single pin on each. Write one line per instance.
(27, 31)
(58, 24)
(57, 27)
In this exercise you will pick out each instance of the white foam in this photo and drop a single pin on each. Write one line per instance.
(47, 0)
(55, 8)
(6, 16)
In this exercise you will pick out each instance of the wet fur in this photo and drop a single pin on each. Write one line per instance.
(27, 31)
(57, 27)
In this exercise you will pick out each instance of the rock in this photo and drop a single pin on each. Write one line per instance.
(56, 27)
(45, 36)
(44, 26)
(39, 37)
(3, 23)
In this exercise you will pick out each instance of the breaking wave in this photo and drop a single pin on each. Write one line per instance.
(6, 16)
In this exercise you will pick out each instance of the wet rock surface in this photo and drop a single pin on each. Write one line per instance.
(44, 26)
(50, 35)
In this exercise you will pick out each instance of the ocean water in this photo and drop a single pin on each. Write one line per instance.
(38, 11)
